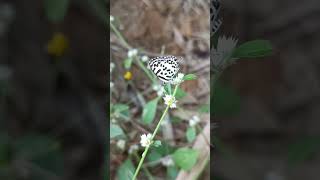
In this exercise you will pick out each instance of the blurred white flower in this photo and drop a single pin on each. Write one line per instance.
(194, 121)
(167, 161)
(170, 101)
(159, 89)
(178, 79)
(144, 58)
(111, 18)
(133, 148)
(111, 85)
(132, 53)
(121, 144)
(145, 140)
(113, 121)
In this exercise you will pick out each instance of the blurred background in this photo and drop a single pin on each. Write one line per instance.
(140, 30)
(53, 74)
(269, 128)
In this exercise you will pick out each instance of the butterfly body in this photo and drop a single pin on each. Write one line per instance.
(164, 67)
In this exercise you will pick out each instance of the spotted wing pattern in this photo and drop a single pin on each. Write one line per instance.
(164, 67)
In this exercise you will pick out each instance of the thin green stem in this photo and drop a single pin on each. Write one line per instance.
(144, 154)
(120, 36)
(141, 65)
(145, 169)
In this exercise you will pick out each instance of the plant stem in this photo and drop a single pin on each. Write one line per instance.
(144, 168)
(120, 36)
(144, 154)
(145, 70)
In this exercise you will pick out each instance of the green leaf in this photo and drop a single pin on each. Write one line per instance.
(128, 63)
(56, 9)
(180, 93)
(172, 172)
(167, 88)
(115, 130)
(126, 170)
(253, 49)
(154, 156)
(303, 149)
(225, 101)
(191, 134)
(189, 77)
(122, 110)
(157, 143)
(185, 158)
(149, 111)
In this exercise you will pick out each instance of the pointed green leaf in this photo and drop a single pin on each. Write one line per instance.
(253, 49)
(189, 77)
(126, 170)
(149, 111)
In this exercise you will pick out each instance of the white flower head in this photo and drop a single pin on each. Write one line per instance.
(121, 144)
(132, 53)
(145, 140)
(111, 85)
(113, 121)
(160, 89)
(144, 58)
(167, 161)
(170, 101)
(178, 79)
(194, 121)
(133, 148)
(111, 18)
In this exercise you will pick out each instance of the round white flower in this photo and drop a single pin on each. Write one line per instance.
(111, 18)
(178, 79)
(121, 144)
(144, 58)
(132, 53)
(111, 85)
(167, 161)
(145, 140)
(194, 121)
(170, 101)
(114, 121)
(133, 148)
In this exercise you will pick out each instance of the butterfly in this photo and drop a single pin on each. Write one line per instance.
(215, 23)
(164, 67)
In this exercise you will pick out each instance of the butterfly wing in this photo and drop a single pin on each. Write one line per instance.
(164, 67)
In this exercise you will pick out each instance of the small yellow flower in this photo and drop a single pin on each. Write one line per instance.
(127, 75)
(57, 45)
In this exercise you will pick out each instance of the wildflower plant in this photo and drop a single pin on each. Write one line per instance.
(170, 102)
(168, 95)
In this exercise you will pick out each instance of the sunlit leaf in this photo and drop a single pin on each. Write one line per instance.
(185, 158)
(149, 111)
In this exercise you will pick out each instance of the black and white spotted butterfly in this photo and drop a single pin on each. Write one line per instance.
(215, 22)
(164, 67)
